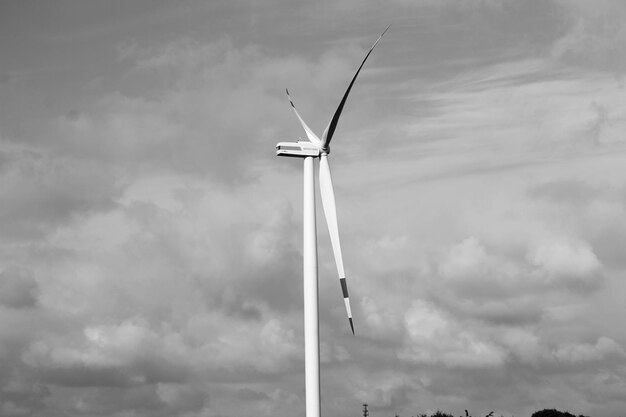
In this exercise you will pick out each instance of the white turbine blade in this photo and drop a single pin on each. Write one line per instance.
(330, 212)
(309, 133)
(330, 129)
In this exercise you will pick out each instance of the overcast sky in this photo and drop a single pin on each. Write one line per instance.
(150, 240)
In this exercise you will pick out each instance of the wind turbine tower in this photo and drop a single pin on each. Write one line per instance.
(310, 150)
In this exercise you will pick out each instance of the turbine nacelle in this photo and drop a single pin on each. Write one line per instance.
(299, 149)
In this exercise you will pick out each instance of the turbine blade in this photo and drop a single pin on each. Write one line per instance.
(309, 133)
(330, 212)
(330, 129)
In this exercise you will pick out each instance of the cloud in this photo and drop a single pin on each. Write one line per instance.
(181, 398)
(604, 348)
(109, 356)
(574, 192)
(18, 288)
(469, 270)
(466, 259)
(588, 206)
(595, 37)
(575, 264)
(187, 106)
(20, 397)
(43, 191)
(382, 322)
(435, 338)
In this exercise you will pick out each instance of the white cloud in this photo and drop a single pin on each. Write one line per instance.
(435, 338)
(566, 262)
(464, 261)
(274, 348)
(383, 322)
(604, 348)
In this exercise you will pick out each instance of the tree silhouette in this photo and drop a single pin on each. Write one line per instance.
(553, 413)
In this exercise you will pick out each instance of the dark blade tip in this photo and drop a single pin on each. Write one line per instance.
(289, 98)
(351, 325)
(333, 122)
(344, 285)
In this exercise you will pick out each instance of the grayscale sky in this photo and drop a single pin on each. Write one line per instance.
(150, 240)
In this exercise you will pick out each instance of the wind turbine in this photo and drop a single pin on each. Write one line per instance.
(309, 150)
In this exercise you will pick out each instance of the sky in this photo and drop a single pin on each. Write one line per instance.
(151, 242)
